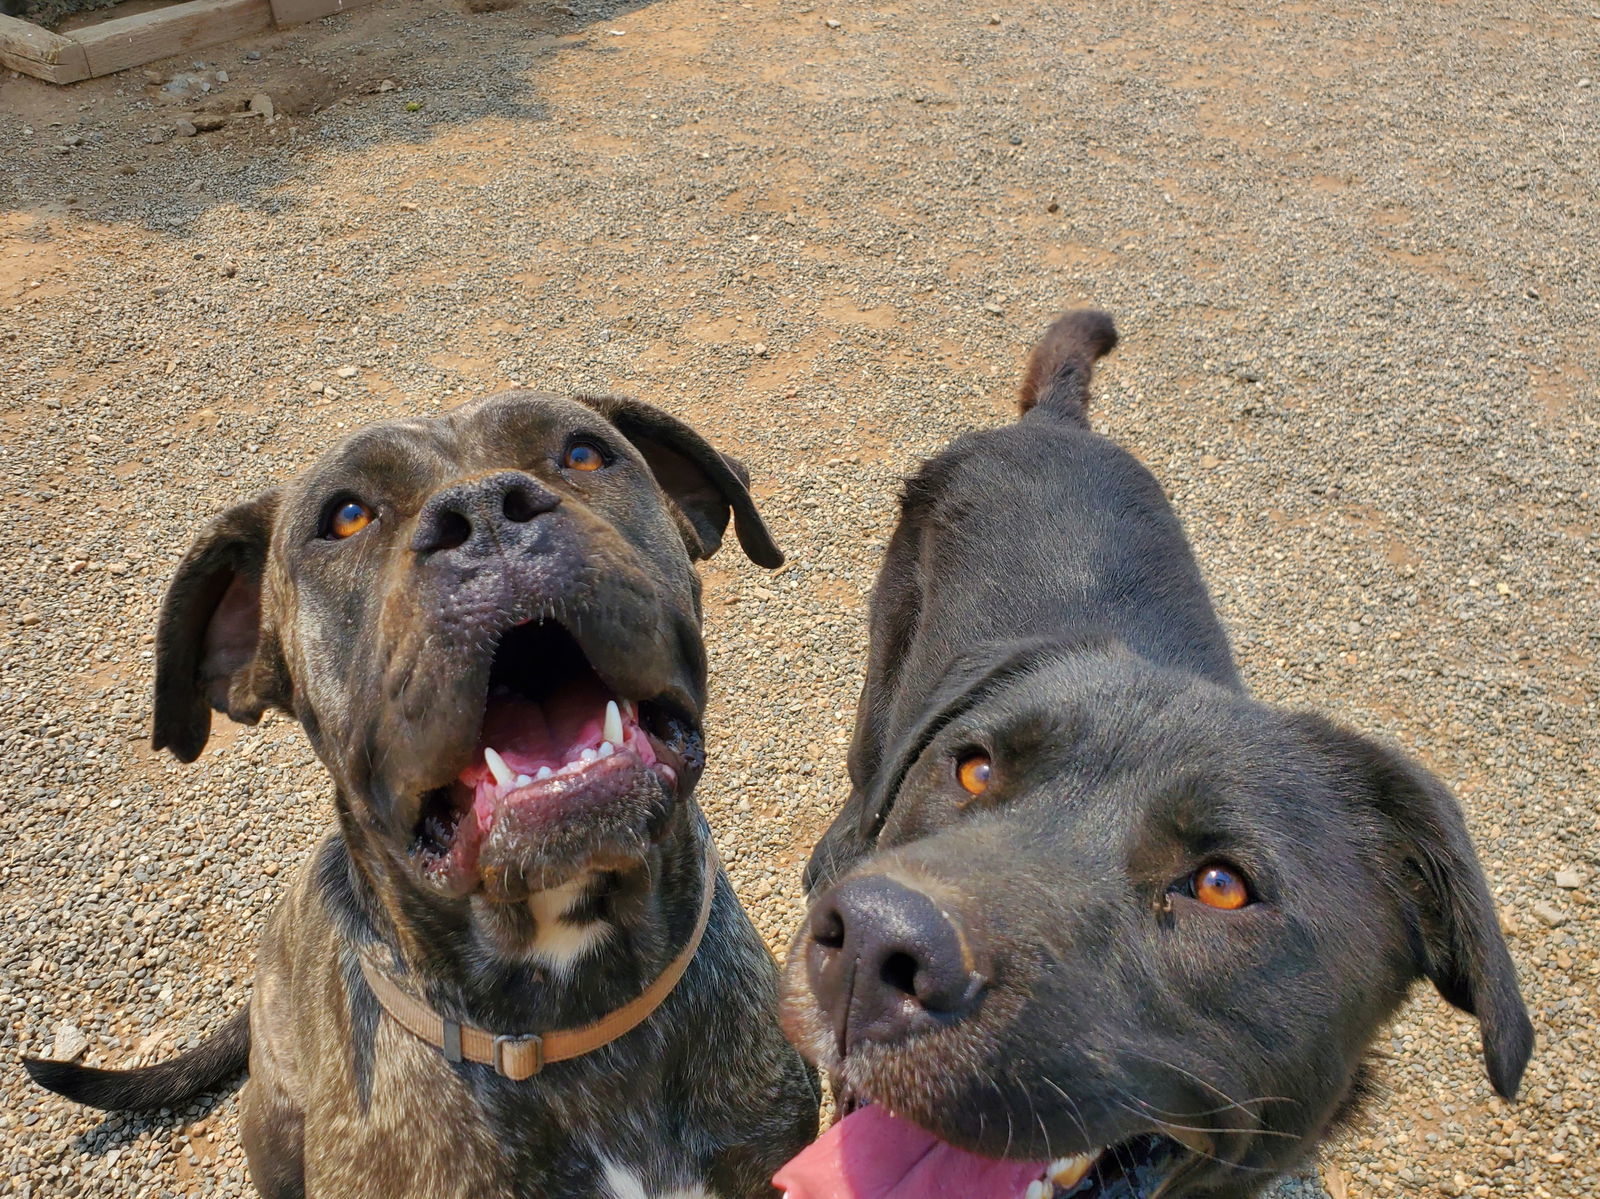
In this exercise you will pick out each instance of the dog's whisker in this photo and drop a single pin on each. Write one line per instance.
(1213, 1130)
(1005, 1106)
(1172, 1127)
(1228, 1100)
(1073, 1110)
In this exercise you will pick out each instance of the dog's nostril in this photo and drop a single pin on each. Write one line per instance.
(899, 972)
(828, 930)
(519, 506)
(452, 530)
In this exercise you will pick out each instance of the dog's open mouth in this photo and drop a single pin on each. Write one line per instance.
(873, 1154)
(557, 748)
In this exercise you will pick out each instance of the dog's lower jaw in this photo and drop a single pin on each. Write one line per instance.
(577, 780)
(551, 832)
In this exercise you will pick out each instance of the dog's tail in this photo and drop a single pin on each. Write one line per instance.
(215, 1060)
(1057, 379)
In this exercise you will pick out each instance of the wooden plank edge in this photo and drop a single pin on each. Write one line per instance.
(36, 51)
(124, 42)
(298, 12)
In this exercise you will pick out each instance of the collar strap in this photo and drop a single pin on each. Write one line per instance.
(520, 1057)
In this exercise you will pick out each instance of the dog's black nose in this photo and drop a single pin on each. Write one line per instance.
(884, 960)
(481, 513)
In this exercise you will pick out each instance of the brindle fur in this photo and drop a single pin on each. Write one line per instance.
(385, 664)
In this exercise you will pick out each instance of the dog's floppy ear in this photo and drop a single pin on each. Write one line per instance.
(705, 485)
(209, 645)
(1455, 933)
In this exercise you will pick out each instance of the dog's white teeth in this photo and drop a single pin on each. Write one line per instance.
(588, 755)
(613, 727)
(1037, 1189)
(503, 774)
(1069, 1171)
(544, 773)
(523, 780)
(606, 749)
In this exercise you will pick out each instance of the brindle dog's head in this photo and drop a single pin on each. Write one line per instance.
(1132, 931)
(488, 624)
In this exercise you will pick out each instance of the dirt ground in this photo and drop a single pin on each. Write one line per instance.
(1350, 247)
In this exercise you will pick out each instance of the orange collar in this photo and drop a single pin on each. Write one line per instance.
(520, 1057)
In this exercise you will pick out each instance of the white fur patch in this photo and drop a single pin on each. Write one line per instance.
(557, 942)
(623, 1183)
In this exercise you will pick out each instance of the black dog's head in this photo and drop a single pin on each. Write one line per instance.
(1127, 929)
(488, 624)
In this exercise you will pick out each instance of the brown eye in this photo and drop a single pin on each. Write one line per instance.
(349, 519)
(974, 772)
(584, 455)
(1221, 887)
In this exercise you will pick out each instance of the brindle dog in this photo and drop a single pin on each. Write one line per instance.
(489, 626)
(1091, 912)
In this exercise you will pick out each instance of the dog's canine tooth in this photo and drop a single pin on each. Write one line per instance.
(1037, 1189)
(613, 724)
(606, 749)
(503, 774)
(1069, 1171)
(543, 773)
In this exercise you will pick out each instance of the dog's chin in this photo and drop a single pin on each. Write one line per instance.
(567, 776)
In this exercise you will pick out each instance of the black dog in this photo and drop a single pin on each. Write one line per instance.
(517, 970)
(1093, 921)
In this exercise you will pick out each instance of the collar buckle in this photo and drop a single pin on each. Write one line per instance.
(518, 1058)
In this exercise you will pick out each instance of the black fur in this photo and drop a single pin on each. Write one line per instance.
(1039, 605)
(207, 1066)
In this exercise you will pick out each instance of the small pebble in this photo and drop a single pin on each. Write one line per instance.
(1549, 915)
(70, 1043)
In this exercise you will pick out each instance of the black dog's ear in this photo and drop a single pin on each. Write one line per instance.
(1432, 864)
(209, 646)
(705, 484)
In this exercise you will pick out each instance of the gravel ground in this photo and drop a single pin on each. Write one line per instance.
(1350, 247)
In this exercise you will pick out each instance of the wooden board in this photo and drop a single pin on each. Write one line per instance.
(297, 12)
(125, 42)
(26, 47)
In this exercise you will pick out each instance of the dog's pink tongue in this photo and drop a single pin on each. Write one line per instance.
(871, 1154)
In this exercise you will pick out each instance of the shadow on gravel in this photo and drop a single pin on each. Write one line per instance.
(160, 146)
(121, 1129)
